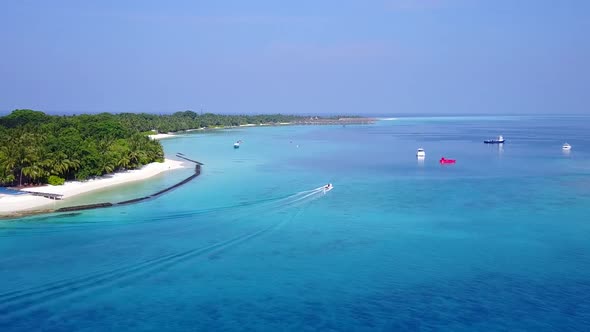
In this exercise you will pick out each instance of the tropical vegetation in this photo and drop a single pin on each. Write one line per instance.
(191, 120)
(37, 148)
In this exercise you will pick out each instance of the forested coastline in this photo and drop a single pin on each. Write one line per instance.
(186, 120)
(36, 148)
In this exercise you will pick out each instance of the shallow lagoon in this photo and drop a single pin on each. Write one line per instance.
(498, 241)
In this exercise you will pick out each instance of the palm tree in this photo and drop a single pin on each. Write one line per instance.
(107, 168)
(26, 151)
(34, 172)
(6, 167)
(135, 158)
(124, 161)
(60, 164)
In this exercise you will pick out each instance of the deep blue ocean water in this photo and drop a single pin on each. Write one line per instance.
(498, 242)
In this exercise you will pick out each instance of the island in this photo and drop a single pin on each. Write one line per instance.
(73, 153)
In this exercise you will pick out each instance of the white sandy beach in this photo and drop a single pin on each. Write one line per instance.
(160, 136)
(170, 135)
(17, 203)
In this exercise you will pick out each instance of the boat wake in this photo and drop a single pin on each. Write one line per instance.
(24, 302)
(276, 203)
(304, 196)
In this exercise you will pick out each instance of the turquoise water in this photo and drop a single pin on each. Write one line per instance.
(498, 241)
(7, 191)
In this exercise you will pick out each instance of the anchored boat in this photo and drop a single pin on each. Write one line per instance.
(420, 153)
(498, 140)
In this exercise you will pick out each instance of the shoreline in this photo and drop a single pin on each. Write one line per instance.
(341, 121)
(14, 205)
(26, 204)
(161, 136)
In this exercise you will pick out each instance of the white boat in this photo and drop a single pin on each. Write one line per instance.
(328, 187)
(498, 140)
(237, 144)
(566, 147)
(420, 153)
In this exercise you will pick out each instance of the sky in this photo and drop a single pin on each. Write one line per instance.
(296, 57)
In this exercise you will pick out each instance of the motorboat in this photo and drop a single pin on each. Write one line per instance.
(328, 187)
(566, 147)
(443, 160)
(420, 153)
(498, 140)
(237, 144)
